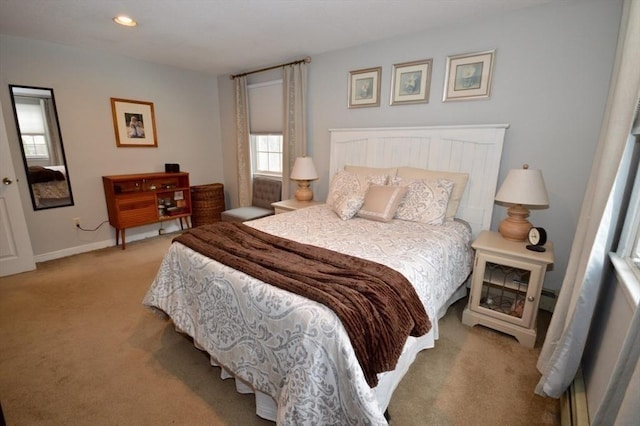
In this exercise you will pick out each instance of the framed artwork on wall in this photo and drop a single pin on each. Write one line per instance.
(410, 82)
(364, 87)
(468, 76)
(134, 123)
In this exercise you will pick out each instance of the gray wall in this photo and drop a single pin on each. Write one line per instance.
(552, 72)
(187, 123)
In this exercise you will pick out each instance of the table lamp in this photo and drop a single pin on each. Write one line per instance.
(304, 171)
(522, 187)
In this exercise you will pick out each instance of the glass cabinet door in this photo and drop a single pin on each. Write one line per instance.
(505, 289)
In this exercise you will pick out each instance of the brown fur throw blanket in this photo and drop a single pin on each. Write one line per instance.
(39, 174)
(377, 305)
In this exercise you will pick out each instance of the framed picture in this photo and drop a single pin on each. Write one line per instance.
(468, 76)
(410, 82)
(134, 123)
(364, 87)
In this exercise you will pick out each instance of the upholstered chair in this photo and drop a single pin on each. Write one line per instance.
(265, 192)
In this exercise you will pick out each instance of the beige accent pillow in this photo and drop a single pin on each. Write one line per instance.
(426, 200)
(459, 179)
(381, 202)
(347, 190)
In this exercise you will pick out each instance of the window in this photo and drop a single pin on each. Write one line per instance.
(31, 117)
(266, 154)
(626, 259)
(629, 247)
(265, 118)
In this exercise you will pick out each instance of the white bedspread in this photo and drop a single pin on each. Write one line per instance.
(292, 348)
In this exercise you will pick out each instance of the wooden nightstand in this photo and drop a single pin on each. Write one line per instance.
(506, 285)
(292, 204)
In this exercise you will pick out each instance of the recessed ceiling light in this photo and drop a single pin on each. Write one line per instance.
(125, 20)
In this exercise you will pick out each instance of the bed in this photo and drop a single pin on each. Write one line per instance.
(49, 185)
(294, 353)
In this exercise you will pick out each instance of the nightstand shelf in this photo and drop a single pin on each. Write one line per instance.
(505, 286)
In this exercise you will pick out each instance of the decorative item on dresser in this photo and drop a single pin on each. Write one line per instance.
(506, 285)
(522, 187)
(144, 198)
(304, 171)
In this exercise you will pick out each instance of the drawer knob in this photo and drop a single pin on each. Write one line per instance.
(531, 298)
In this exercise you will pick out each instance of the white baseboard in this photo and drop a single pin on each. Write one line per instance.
(573, 404)
(97, 245)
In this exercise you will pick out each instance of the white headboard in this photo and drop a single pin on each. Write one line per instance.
(473, 149)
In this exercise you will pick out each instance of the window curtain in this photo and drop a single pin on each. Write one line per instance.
(568, 331)
(294, 130)
(243, 148)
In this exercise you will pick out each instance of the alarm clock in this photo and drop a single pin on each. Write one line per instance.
(537, 238)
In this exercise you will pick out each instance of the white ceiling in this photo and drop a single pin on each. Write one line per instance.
(231, 36)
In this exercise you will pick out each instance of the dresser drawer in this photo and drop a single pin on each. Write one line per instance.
(139, 210)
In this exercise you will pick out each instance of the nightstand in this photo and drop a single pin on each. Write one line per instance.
(506, 285)
(292, 204)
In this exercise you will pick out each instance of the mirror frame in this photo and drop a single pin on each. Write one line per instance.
(63, 156)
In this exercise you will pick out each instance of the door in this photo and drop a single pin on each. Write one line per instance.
(16, 254)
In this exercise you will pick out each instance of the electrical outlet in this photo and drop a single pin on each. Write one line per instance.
(76, 221)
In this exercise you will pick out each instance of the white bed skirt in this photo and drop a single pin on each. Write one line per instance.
(266, 407)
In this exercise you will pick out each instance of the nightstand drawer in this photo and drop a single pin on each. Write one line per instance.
(137, 211)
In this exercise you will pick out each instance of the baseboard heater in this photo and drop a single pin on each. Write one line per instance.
(573, 404)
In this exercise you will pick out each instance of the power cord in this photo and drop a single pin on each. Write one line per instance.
(91, 230)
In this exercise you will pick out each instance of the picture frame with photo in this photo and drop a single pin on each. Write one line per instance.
(469, 76)
(364, 87)
(410, 82)
(134, 123)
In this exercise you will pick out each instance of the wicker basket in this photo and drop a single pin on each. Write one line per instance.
(207, 202)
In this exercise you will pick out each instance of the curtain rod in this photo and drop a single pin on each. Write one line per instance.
(305, 60)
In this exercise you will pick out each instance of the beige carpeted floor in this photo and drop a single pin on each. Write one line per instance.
(77, 348)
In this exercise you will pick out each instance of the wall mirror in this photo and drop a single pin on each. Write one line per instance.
(41, 145)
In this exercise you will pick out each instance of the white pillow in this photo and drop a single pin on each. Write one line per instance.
(426, 200)
(352, 187)
(381, 202)
(460, 183)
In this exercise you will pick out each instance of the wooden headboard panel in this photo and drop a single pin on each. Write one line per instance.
(474, 149)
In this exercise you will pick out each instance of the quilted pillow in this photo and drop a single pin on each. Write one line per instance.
(460, 180)
(347, 206)
(426, 200)
(347, 191)
(381, 202)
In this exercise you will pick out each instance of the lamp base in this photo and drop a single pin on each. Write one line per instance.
(515, 227)
(303, 193)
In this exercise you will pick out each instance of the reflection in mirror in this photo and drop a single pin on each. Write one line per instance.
(41, 146)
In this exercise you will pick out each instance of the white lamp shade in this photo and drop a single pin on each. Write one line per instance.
(303, 169)
(523, 186)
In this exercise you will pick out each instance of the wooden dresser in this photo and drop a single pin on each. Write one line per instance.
(144, 198)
